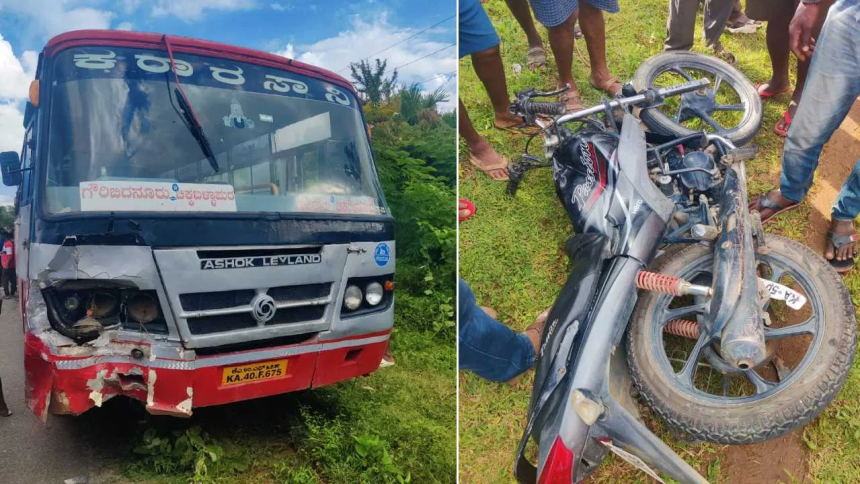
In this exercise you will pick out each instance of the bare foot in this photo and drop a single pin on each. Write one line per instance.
(847, 251)
(489, 160)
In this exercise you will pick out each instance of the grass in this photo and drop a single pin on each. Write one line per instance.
(511, 253)
(396, 425)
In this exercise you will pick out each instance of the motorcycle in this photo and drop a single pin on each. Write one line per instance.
(676, 293)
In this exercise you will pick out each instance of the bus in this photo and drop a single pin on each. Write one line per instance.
(196, 224)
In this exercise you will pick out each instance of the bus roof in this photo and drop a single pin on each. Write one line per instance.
(148, 40)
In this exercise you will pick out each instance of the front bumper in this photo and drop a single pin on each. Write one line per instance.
(64, 384)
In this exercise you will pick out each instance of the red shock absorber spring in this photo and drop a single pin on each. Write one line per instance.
(653, 281)
(683, 328)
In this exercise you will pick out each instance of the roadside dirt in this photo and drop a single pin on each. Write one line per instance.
(767, 462)
(777, 460)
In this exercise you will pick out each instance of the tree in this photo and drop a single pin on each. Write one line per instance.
(414, 104)
(373, 86)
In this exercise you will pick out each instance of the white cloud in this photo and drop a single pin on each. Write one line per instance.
(11, 127)
(363, 38)
(125, 26)
(282, 7)
(52, 17)
(289, 52)
(14, 77)
(189, 10)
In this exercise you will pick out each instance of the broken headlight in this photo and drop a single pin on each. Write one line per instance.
(82, 310)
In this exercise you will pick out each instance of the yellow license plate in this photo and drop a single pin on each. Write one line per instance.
(254, 372)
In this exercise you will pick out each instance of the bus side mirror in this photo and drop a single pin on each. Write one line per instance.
(10, 166)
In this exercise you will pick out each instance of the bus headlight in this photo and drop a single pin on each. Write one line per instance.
(352, 298)
(373, 293)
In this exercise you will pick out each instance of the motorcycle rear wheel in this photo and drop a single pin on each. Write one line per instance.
(768, 409)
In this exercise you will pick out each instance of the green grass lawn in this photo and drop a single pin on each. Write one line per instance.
(394, 425)
(511, 253)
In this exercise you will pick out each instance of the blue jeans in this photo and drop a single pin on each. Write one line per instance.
(488, 347)
(832, 85)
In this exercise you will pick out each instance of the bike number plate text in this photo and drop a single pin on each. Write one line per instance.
(792, 298)
(636, 461)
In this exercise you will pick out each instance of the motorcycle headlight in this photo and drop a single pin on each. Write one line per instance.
(373, 293)
(352, 298)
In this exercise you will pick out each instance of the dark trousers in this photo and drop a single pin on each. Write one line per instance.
(682, 22)
(9, 281)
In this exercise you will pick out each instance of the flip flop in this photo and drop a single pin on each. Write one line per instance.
(8, 413)
(786, 123)
(535, 58)
(607, 85)
(764, 202)
(839, 241)
(487, 168)
(572, 101)
(765, 94)
(521, 128)
(469, 207)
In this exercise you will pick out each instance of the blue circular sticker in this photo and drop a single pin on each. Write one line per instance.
(175, 187)
(381, 254)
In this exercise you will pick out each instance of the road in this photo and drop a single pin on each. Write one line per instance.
(67, 447)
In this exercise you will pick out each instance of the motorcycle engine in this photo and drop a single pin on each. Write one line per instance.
(698, 181)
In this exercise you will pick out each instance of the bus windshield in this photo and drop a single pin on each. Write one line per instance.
(283, 142)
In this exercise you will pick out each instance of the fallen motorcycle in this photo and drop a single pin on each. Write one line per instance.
(729, 334)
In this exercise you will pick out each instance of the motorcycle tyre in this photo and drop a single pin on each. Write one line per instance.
(776, 415)
(658, 122)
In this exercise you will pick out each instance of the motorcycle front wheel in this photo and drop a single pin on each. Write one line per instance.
(682, 377)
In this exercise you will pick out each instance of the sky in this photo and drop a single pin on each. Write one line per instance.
(329, 34)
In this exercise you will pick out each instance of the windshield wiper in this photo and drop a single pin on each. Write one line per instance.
(188, 114)
(196, 129)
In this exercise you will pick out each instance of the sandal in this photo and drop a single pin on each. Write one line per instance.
(725, 56)
(785, 122)
(572, 101)
(7, 414)
(469, 207)
(491, 167)
(838, 242)
(607, 85)
(765, 94)
(535, 58)
(765, 202)
(521, 128)
(536, 328)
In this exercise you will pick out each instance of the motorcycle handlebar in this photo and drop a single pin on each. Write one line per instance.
(649, 96)
(552, 109)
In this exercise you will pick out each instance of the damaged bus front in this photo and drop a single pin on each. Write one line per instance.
(197, 224)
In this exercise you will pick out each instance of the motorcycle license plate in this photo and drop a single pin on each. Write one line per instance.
(636, 461)
(792, 298)
(254, 372)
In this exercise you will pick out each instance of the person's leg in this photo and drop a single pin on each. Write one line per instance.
(4, 410)
(520, 10)
(681, 25)
(4, 281)
(832, 85)
(561, 43)
(802, 70)
(480, 151)
(594, 31)
(715, 17)
(487, 347)
(491, 71)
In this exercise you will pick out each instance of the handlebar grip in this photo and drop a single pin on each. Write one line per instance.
(552, 109)
(742, 153)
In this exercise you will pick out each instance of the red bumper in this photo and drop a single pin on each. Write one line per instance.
(75, 384)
